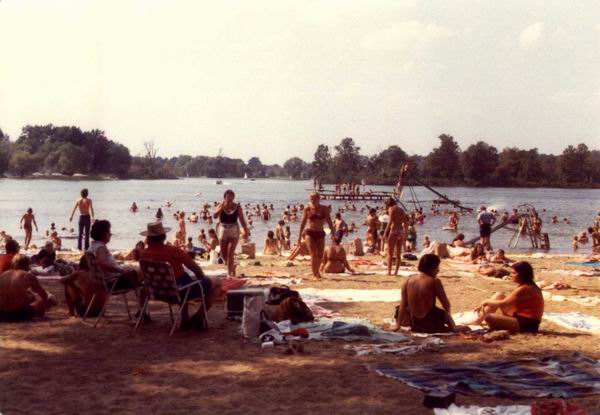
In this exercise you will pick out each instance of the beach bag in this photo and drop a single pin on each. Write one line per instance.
(253, 313)
(278, 294)
(293, 309)
(214, 257)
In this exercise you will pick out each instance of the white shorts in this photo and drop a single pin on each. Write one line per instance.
(228, 231)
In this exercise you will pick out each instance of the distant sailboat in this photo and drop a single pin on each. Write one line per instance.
(245, 176)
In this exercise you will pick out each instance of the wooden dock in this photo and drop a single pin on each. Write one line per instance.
(367, 196)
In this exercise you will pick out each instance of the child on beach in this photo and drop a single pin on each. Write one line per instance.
(575, 243)
(26, 221)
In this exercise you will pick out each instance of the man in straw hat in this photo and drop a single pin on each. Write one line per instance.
(157, 250)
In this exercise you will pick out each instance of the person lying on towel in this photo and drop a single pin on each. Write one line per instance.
(520, 311)
(419, 293)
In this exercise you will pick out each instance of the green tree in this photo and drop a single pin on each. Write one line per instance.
(574, 164)
(479, 162)
(321, 164)
(295, 168)
(255, 167)
(347, 161)
(443, 163)
(72, 159)
(22, 163)
(5, 152)
(385, 166)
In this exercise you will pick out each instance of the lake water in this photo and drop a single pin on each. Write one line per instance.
(52, 201)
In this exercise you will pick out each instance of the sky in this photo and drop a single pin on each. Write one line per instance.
(275, 79)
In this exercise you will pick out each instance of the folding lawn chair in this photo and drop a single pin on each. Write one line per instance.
(107, 284)
(161, 281)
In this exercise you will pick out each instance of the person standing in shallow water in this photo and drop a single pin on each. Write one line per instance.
(86, 216)
(26, 221)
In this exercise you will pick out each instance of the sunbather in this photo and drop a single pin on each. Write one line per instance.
(21, 295)
(521, 310)
(334, 258)
(419, 294)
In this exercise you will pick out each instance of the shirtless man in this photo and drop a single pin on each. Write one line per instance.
(25, 223)
(86, 216)
(419, 293)
(395, 233)
(372, 229)
(21, 295)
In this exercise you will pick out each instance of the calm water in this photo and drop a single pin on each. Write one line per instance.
(52, 201)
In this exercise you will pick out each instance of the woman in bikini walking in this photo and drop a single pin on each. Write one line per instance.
(311, 229)
(229, 213)
(395, 234)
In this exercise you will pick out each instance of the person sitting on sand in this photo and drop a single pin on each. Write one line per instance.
(334, 258)
(419, 293)
(356, 247)
(426, 242)
(476, 256)
(157, 250)
(46, 257)
(56, 240)
(272, 246)
(500, 258)
(300, 249)
(21, 296)
(26, 221)
(134, 254)
(12, 248)
(520, 311)
(79, 291)
(459, 241)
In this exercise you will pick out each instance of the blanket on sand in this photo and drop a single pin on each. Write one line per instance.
(575, 321)
(552, 376)
(349, 295)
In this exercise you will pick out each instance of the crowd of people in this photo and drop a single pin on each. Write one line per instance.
(389, 231)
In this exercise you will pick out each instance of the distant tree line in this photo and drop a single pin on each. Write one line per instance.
(69, 150)
(480, 164)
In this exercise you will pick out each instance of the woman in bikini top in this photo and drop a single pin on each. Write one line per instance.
(334, 259)
(311, 230)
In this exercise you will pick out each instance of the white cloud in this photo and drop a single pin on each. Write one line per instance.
(532, 36)
(405, 35)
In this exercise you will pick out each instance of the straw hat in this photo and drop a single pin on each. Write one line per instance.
(155, 229)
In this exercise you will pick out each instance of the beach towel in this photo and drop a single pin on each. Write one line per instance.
(586, 301)
(593, 264)
(575, 321)
(552, 376)
(429, 344)
(484, 410)
(352, 330)
(349, 295)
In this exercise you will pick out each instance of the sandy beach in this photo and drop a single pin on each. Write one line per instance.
(60, 365)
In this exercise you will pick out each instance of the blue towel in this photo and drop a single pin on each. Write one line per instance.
(553, 376)
(593, 264)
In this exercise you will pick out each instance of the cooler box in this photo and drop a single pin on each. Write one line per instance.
(234, 302)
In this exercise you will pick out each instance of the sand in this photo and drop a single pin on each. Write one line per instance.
(59, 365)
